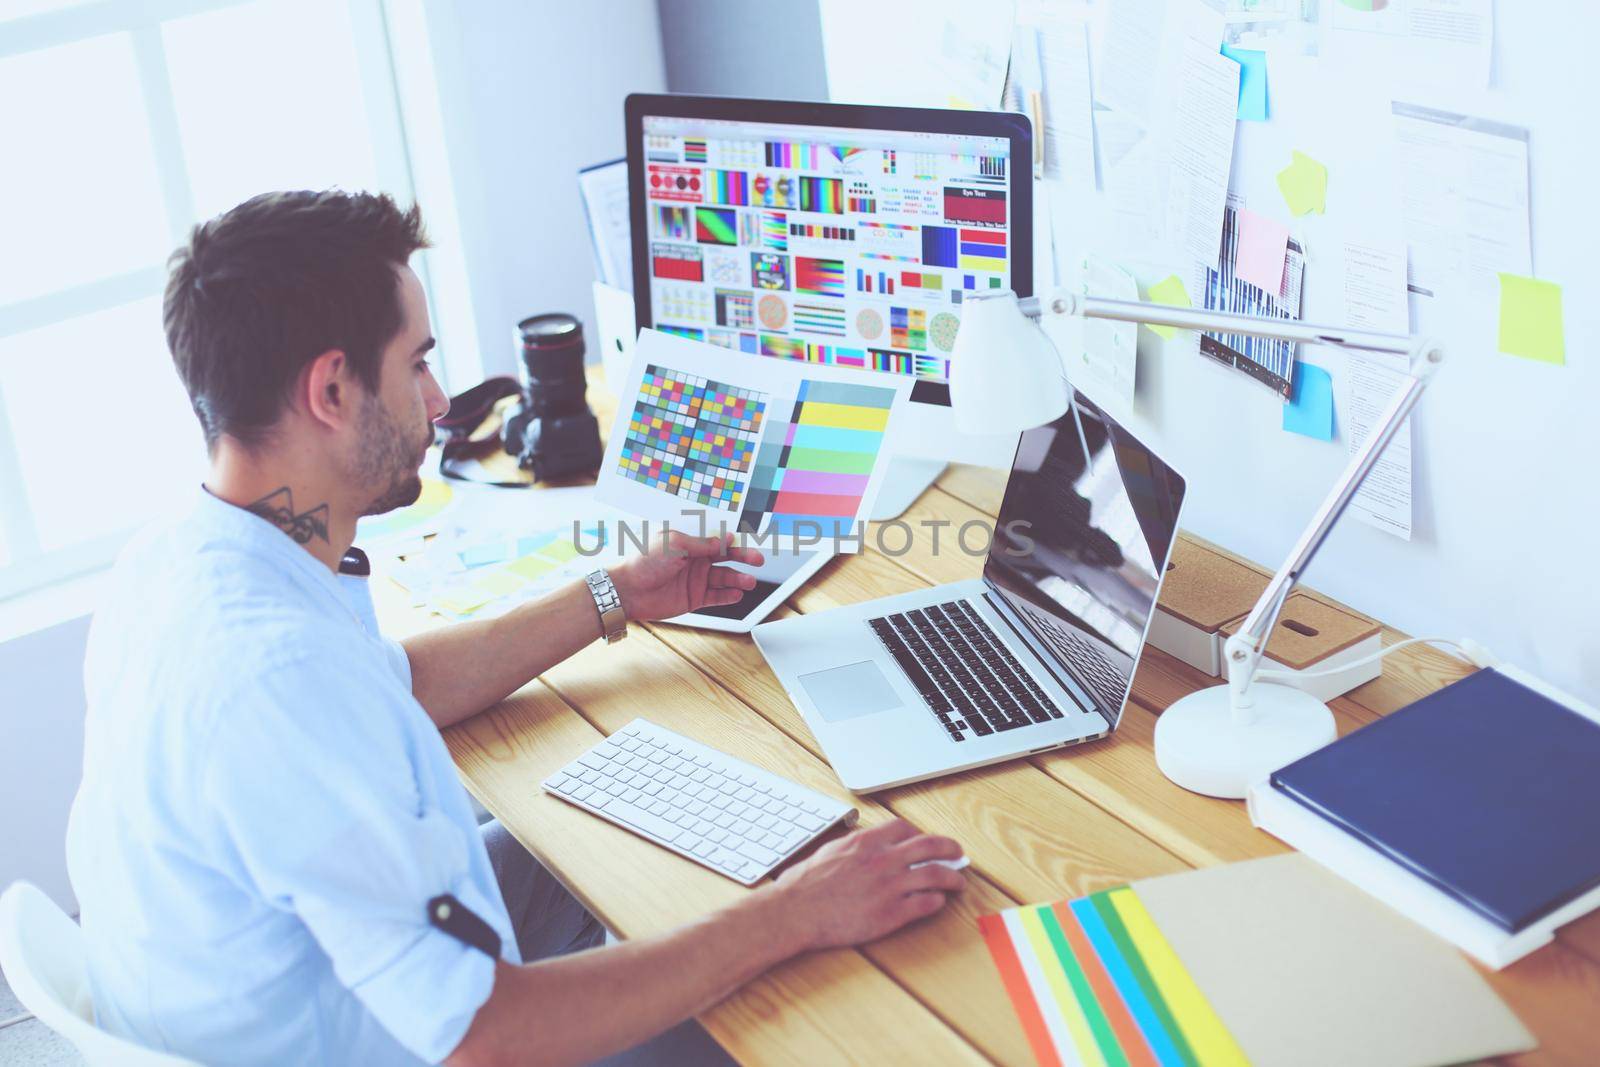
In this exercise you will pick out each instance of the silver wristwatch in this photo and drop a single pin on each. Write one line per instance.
(613, 620)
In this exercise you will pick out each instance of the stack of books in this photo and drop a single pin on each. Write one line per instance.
(1474, 811)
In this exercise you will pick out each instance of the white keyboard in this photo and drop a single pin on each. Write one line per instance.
(721, 812)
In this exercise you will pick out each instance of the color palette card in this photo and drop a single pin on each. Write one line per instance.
(1272, 961)
(772, 446)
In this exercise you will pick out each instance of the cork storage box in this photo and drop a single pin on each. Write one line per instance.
(1315, 635)
(1202, 591)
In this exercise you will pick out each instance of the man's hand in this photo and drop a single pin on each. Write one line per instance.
(862, 886)
(679, 573)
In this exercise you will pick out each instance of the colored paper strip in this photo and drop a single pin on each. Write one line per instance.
(1530, 319)
(822, 459)
(1054, 1020)
(1004, 954)
(1061, 989)
(804, 481)
(1107, 914)
(1130, 1039)
(1205, 1032)
(1105, 1038)
(1160, 1030)
(844, 416)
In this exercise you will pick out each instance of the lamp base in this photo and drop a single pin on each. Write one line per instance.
(1201, 748)
(906, 479)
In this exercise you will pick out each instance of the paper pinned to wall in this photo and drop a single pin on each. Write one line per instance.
(1109, 350)
(1068, 127)
(1464, 198)
(974, 51)
(604, 188)
(1263, 246)
(1304, 185)
(1375, 299)
(1170, 291)
(1130, 57)
(1384, 500)
(1202, 151)
(1252, 82)
(1435, 42)
(1310, 411)
(1530, 319)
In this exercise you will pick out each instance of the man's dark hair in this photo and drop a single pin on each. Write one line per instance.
(261, 290)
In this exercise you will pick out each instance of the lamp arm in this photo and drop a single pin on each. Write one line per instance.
(1244, 650)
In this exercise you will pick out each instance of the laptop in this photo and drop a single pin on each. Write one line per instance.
(1037, 654)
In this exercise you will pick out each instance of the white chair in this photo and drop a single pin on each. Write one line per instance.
(41, 952)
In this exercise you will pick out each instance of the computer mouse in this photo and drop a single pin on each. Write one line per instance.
(954, 865)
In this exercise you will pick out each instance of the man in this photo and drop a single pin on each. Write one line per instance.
(267, 804)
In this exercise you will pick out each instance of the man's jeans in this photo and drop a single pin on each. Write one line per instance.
(549, 921)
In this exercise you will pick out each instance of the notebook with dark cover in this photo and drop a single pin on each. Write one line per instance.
(1485, 789)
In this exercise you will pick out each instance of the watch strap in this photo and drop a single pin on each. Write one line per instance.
(613, 620)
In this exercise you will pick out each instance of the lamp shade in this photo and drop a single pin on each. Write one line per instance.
(1005, 375)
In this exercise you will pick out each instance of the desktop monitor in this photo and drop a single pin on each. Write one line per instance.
(831, 233)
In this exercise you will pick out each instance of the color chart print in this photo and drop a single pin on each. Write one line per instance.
(692, 437)
(818, 277)
(716, 226)
(842, 247)
(827, 320)
(815, 468)
(908, 328)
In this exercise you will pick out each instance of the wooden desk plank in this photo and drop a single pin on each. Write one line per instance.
(981, 488)
(821, 1008)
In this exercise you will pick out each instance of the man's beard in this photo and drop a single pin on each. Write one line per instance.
(388, 459)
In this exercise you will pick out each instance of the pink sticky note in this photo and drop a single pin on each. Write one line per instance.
(1263, 243)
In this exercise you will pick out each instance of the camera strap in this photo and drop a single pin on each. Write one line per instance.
(471, 428)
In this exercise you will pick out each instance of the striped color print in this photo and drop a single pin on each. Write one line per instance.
(1095, 984)
(824, 196)
(818, 277)
(982, 250)
(811, 474)
(731, 187)
(820, 319)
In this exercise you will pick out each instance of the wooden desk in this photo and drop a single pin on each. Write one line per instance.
(1039, 829)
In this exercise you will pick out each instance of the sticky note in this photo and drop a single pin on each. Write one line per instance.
(1310, 413)
(1304, 184)
(1252, 82)
(1263, 244)
(1530, 319)
(1169, 290)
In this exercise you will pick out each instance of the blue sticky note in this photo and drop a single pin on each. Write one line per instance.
(1252, 82)
(1311, 411)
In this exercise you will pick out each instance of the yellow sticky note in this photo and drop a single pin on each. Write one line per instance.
(1304, 184)
(1530, 319)
(1170, 290)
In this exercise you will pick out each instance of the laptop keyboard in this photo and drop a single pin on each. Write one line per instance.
(1092, 668)
(973, 683)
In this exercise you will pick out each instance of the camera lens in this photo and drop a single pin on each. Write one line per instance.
(552, 347)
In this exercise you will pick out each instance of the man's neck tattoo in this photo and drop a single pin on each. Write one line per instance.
(277, 507)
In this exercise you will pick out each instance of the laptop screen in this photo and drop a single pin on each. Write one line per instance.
(1085, 529)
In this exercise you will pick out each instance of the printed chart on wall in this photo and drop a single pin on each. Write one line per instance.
(783, 451)
(838, 247)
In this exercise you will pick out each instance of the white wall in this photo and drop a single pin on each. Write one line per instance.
(530, 92)
(1506, 450)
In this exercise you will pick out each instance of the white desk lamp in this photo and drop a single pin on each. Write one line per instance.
(1006, 376)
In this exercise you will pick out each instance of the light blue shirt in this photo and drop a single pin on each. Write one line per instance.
(265, 812)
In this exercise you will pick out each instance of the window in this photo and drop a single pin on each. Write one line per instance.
(126, 122)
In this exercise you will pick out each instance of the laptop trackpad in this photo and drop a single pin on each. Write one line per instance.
(850, 692)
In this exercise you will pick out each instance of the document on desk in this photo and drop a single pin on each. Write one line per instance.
(1464, 199)
(605, 201)
(1375, 299)
(974, 51)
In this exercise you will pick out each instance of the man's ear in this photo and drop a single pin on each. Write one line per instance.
(326, 389)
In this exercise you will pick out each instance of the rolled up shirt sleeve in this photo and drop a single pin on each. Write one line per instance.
(314, 782)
